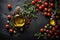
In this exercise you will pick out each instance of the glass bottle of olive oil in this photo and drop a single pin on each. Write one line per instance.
(18, 20)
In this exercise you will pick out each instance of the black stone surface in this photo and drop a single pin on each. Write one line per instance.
(29, 32)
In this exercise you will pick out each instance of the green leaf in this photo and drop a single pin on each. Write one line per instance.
(37, 34)
(34, 11)
(29, 9)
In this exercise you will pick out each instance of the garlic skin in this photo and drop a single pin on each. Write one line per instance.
(18, 10)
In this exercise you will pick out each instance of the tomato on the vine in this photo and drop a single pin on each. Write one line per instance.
(49, 10)
(36, 0)
(33, 2)
(45, 9)
(7, 26)
(9, 17)
(46, 3)
(9, 6)
(11, 30)
(41, 30)
(38, 5)
(51, 4)
(48, 14)
(42, 5)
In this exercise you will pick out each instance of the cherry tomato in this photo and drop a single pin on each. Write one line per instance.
(55, 33)
(49, 35)
(57, 16)
(38, 5)
(49, 10)
(41, 30)
(48, 14)
(40, 1)
(51, 4)
(33, 2)
(47, 31)
(42, 6)
(36, 0)
(53, 29)
(9, 6)
(7, 26)
(45, 9)
(11, 30)
(46, 3)
(58, 23)
(9, 17)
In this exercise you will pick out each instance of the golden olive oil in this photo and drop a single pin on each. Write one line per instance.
(18, 21)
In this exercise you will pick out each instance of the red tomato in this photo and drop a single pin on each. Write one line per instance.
(46, 3)
(51, 4)
(45, 9)
(57, 16)
(8, 16)
(33, 2)
(48, 14)
(11, 30)
(53, 29)
(47, 31)
(42, 6)
(55, 33)
(38, 5)
(58, 23)
(6, 26)
(36, 0)
(49, 35)
(9, 6)
(40, 1)
(41, 30)
(49, 10)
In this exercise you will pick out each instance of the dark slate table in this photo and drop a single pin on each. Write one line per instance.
(29, 32)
